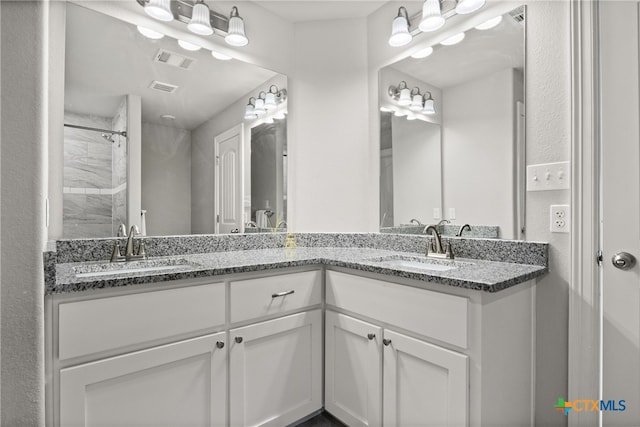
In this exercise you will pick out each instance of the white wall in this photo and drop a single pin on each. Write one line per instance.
(333, 186)
(23, 191)
(417, 172)
(549, 140)
(166, 179)
(478, 152)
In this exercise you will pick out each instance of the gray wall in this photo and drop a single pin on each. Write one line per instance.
(166, 179)
(23, 189)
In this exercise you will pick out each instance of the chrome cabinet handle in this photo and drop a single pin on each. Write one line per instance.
(386, 341)
(282, 294)
(371, 336)
(238, 340)
(220, 344)
(623, 260)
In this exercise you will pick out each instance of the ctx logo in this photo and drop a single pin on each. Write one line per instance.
(590, 405)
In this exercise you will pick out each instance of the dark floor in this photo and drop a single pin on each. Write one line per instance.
(323, 419)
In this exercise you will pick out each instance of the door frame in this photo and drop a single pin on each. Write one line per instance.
(584, 302)
(223, 136)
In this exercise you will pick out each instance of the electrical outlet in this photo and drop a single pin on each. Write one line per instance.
(436, 213)
(560, 218)
(452, 213)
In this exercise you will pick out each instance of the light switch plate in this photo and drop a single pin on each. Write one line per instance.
(452, 213)
(549, 176)
(436, 213)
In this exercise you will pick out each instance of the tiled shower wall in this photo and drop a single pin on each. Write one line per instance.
(94, 176)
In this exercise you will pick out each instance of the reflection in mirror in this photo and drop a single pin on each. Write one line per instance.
(478, 89)
(154, 111)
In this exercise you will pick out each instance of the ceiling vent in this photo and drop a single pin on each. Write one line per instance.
(163, 87)
(518, 14)
(174, 59)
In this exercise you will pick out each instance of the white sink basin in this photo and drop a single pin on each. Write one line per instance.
(418, 263)
(133, 267)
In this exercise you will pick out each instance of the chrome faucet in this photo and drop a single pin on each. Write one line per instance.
(444, 221)
(436, 251)
(464, 227)
(130, 252)
(122, 231)
(251, 224)
(281, 222)
(415, 221)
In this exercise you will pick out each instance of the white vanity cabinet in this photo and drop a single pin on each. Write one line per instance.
(401, 355)
(144, 358)
(275, 366)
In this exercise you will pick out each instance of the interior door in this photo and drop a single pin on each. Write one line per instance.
(620, 210)
(228, 185)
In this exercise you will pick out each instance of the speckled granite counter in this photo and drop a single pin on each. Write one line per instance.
(477, 274)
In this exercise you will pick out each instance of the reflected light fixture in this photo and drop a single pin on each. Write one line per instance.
(422, 53)
(487, 25)
(464, 7)
(249, 112)
(200, 19)
(259, 108)
(236, 35)
(429, 104)
(149, 33)
(188, 46)
(274, 97)
(416, 100)
(432, 18)
(159, 9)
(200, 16)
(400, 34)
(455, 39)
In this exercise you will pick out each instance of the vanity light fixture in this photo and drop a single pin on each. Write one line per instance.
(432, 18)
(464, 7)
(487, 25)
(236, 35)
(259, 107)
(159, 9)
(200, 19)
(400, 34)
(250, 112)
(188, 46)
(266, 105)
(200, 23)
(455, 39)
(429, 104)
(274, 97)
(149, 33)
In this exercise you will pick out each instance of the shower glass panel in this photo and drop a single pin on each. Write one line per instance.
(95, 174)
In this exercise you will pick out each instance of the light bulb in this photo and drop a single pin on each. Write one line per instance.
(468, 6)
(200, 20)
(159, 9)
(400, 35)
(236, 35)
(432, 18)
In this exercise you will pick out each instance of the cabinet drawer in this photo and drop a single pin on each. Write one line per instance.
(432, 314)
(93, 326)
(276, 294)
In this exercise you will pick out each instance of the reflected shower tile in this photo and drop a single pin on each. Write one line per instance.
(73, 208)
(98, 209)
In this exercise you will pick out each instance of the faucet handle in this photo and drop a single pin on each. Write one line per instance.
(449, 251)
(141, 250)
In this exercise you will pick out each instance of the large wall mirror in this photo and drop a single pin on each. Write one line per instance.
(198, 158)
(463, 162)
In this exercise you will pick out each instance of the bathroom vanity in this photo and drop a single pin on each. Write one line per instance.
(271, 336)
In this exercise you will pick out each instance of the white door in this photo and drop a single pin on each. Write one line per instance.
(620, 211)
(275, 370)
(424, 384)
(353, 370)
(180, 384)
(228, 185)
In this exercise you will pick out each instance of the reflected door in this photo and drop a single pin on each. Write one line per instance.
(228, 185)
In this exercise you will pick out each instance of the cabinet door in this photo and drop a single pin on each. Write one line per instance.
(424, 384)
(276, 370)
(183, 383)
(353, 370)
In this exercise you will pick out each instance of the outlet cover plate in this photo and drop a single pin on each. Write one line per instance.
(560, 218)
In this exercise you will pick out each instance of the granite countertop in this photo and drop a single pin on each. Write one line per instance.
(481, 275)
